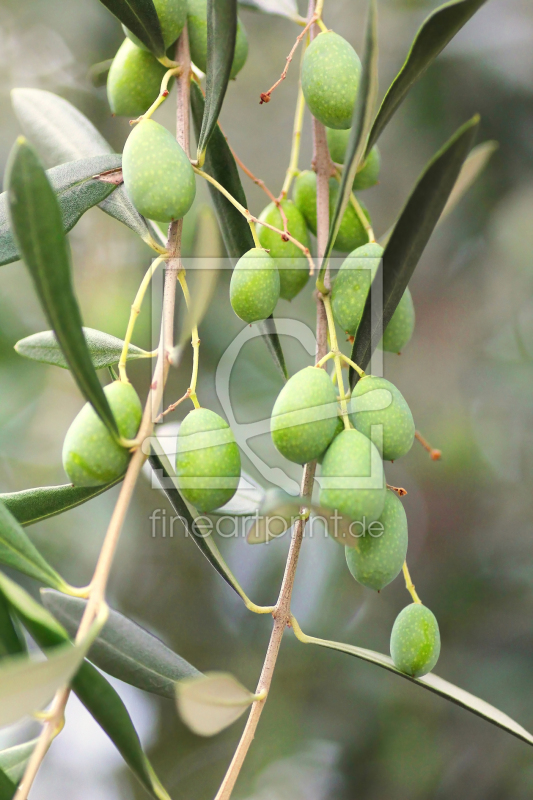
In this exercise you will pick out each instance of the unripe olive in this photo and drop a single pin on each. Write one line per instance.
(134, 80)
(208, 462)
(291, 262)
(305, 415)
(157, 174)
(254, 286)
(338, 429)
(368, 173)
(197, 28)
(377, 402)
(350, 290)
(353, 481)
(91, 456)
(377, 556)
(351, 232)
(415, 640)
(172, 17)
(331, 71)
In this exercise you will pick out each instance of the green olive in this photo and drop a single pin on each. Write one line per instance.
(290, 260)
(134, 80)
(415, 640)
(254, 286)
(379, 410)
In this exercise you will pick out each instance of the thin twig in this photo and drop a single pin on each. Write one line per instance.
(99, 582)
(434, 454)
(260, 182)
(265, 96)
(399, 491)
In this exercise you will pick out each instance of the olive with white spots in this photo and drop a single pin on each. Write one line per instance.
(197, 29)
(208, 462)
(291, 261)
(254, 286)
(305, 415)
(379, 410)
(368, 172)
(376, 557)
(331, 72)
(172, 16)
(415, 641)
(134, 80)
(91, 455)
(158, 176)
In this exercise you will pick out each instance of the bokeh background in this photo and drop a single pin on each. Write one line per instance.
(333, 727)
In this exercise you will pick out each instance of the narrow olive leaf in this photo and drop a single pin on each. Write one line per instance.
(212, 702)
(76, 190)
(33, 505)
(470, 172)
(38, 229)
(12, 641)
(18, 552)
(361, 124)
(277, 514)
(140, 17)
(123, 649)
(13, 760)
(246, 501)
(8, 788)
(98, 73)
(221, 34)
(61, 133)
(161, 466)
(433, 36)
(220, 164)
(104, 349)
(409, 239)
(283, 8)
(94, 691)
(431, 682)
(27, 684)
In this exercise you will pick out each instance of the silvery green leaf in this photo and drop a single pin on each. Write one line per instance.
(212, 702)
(104, 349)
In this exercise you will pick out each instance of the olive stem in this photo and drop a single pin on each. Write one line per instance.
(259, 182)
(409, 585)
(292, 169)
(352, 364)
(134, 313)
(252, 221)
(98, 584)
(266, 96)
(336, 356)
(162, 96)
(195, 342)
(326, 358)
(359, 211)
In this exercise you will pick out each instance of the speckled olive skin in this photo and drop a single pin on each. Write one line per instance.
(415, 640)
(377, 557)
(331, 71)
(368, 174)
(172, 17)
(349, 292)
(305, 414)
(197, 27)
(402, 325)
(290, 261)
(208, 462)
(91, 457)
(134, 80)
(377, 402)
(338, 429)
(352, 478)
(351, 233)
(157, 174)
(254, 286)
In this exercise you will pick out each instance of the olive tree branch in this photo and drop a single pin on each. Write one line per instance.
(54, 721)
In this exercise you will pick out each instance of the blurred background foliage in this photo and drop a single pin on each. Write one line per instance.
(333, 727)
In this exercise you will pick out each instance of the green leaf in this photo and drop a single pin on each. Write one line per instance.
(206, 543)
(409, 238)
(94, 691)
(13, 760)
(33, 505)
(432, 682)
(61, 133)
(11, 640)
(435, 33)
(18, 552)
(76, 190)
(139, 17)
(221, 34)
(123, 649)
(220, 164)
(361, 123)
(38, 229)
(470, 172)
(279, 506)
(104, 349)
(7, 787)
